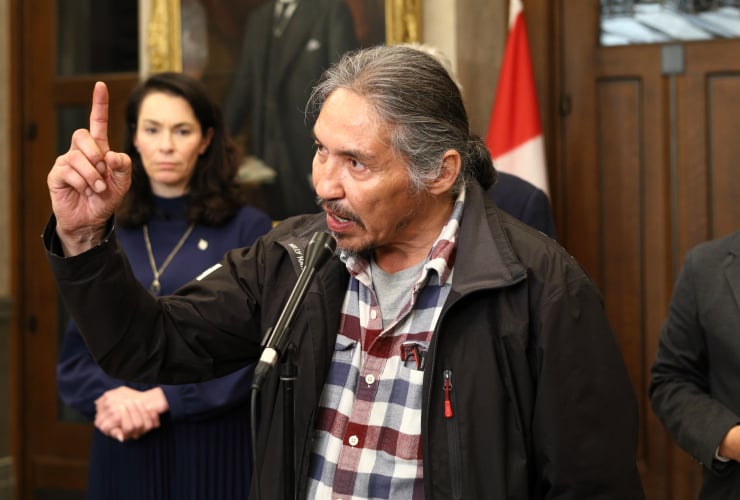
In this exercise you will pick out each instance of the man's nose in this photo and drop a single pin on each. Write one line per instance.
(328, 177)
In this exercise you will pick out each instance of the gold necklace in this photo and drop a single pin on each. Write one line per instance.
(155, 287)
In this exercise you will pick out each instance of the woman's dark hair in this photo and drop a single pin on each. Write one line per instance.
(213, 189)
(413, 93)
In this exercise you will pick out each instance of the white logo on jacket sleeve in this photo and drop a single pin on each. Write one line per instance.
(208, 271)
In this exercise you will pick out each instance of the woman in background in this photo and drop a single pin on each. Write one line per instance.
(182, 214)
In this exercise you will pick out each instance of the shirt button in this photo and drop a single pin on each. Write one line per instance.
(353, 440)
(373, 313)
(370, 379)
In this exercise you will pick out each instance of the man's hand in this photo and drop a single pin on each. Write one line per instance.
(88, 182)
(730, 445)
(124, 413)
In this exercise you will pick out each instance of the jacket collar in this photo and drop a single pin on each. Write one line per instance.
(485, 257)
(298, 231)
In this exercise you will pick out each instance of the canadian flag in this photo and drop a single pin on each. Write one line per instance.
(515, 132)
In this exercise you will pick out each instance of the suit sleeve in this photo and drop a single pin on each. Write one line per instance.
(679, 388)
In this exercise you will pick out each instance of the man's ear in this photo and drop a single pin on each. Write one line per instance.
(448, 172)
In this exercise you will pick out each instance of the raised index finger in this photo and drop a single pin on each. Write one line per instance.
(99, 116)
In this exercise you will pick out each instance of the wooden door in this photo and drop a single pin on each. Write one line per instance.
(646, 167)
(62, 49)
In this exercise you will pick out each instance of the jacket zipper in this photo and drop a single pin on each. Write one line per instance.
(453, 437)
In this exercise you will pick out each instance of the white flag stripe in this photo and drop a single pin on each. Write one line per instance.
(519, 161)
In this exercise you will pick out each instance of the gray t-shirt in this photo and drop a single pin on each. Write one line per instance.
(393, 290)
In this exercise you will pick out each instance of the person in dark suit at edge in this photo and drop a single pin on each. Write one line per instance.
(287, 45)
(695, 376)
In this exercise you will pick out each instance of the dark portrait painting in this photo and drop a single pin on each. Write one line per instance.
(260, 59)
(213, 31)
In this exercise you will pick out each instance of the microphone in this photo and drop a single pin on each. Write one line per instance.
(318, 251)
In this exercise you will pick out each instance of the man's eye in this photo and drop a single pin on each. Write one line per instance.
(356, 165)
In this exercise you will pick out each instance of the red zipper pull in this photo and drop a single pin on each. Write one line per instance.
(448, 387)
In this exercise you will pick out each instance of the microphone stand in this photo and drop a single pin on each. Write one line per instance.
(288, 375)
(319, 250)
(277, 347)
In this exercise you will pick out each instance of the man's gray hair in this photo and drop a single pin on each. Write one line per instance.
(414, 94)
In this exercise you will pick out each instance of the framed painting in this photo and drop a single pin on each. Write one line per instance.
(171, 29)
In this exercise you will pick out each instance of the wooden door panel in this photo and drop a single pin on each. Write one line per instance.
(648, 169)
(709, 118)
(723, 116)
(57, 449)
(52, 459)
(619, 170)
(632, 247)
(616, 205)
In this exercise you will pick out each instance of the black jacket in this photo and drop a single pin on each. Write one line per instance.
(542, 404)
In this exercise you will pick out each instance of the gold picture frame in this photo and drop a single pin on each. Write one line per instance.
(162, 43)
(402, 21)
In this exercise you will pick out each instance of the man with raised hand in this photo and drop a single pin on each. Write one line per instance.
(449, 351)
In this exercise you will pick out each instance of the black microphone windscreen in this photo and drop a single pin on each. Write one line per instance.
(319, 249)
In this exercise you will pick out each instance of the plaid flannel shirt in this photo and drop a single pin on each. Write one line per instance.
(367, 440)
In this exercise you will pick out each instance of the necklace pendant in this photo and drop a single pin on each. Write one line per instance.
(155, 289)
